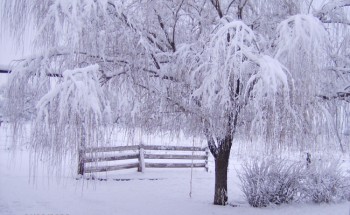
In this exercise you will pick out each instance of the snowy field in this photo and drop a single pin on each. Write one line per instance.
(127, 193)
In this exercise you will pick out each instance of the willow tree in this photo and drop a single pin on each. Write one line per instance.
(206, 67)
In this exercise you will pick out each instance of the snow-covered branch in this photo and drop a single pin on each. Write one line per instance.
(330, 12)
(74, 112)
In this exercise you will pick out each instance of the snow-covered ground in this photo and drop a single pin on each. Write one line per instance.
(129, 193)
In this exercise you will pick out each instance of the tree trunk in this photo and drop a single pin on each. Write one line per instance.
(81, 150)
(221, 167)
(80, 162)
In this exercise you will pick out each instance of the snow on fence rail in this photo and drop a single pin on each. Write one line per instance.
(143, 154)
(4, 69)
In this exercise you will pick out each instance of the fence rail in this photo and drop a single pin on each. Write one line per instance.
(175, 165)
(143, 154)
(111, 158)
(111, 149)
(110, 168)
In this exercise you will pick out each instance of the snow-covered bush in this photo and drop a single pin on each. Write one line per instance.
(270, 181)
(325, 182)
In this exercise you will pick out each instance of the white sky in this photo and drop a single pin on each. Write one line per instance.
(10, 50)
(6, 55)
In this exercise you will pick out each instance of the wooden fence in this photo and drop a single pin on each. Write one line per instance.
(142, 154)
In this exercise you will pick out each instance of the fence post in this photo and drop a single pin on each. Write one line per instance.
(81, 162)
(206, 159)
(308, 159)
(141, 159)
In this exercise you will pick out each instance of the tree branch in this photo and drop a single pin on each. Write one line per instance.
(329, 8)
(211, 142)
(229, 5)
(240, 9)
(343, 96)
(216, 4)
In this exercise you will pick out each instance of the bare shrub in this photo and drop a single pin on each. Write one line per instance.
(325, 182)
(270, 182)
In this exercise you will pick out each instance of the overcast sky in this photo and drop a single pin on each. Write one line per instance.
(6, 51)
(9, 50)
(6, 55)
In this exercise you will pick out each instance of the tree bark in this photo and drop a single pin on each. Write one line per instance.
(221, 167)
(80, 162)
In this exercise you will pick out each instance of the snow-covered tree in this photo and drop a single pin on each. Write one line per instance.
(213, 68)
